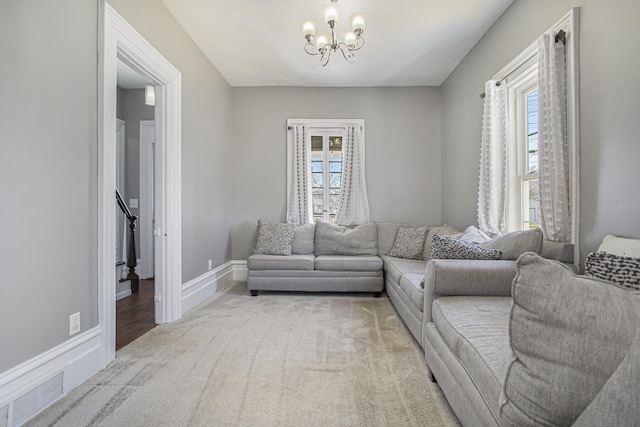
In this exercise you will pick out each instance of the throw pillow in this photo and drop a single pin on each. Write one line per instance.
(474, 235)
(516, 243)
(303, 240)
(568, 334)
(624, 271)
(620, 246)
(445, 230)
(332, 239)
(274, 239)
(444, 247)
(409, 243)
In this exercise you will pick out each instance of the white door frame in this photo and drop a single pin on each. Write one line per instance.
(119, 40)
(147, 196)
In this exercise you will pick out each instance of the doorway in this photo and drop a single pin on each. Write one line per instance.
(120, 42)
(135, 307)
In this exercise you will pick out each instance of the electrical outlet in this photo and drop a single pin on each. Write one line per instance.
(210, 264)
(74, 323)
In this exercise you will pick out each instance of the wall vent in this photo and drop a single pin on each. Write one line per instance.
(32, 402)
(4, 416)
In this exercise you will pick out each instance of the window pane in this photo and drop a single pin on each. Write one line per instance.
(316, 180)
(532, 132)
(335, 179)
(316, 166)
(532, 204)
(316, 143)
(335, 165)
(335, 146)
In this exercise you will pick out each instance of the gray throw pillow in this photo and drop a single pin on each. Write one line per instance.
(568, 335)
(303, 240)
(444, 247)
(624, 271)
(332, 239)
(516, 243)
(274, 239)
(409, 243)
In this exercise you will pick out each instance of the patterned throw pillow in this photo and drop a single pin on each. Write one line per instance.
(274, 239)
(409, 243)
(621, 270)
(444, 247)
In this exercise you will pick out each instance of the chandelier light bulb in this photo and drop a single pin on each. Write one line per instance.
(358, 21)
(331, 12)
(308, 27)
(350, 38)
(322, 40)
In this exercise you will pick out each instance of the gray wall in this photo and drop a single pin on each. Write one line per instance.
(48, 176)
(206, 137)
(609, 90)
(49, 163)
(402, 150)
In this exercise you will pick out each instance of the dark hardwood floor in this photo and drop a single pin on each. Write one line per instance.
(135, 314)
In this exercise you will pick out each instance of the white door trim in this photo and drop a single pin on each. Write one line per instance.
(119, 40)
(147, 196)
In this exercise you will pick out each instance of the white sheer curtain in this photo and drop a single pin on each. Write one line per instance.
(353, 207)
(555, 206)
(299, 199)
(493, 160)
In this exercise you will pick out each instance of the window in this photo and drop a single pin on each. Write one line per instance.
(326, 173)
(523, 189)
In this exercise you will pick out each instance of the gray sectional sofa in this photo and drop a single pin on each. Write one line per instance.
(516, 341)
(323, 258)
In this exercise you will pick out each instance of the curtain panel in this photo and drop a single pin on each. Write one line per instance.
(299, 209)
(555, 203)
(353, 207)
(492, 187)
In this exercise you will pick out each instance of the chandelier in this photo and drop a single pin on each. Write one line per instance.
(323, 43)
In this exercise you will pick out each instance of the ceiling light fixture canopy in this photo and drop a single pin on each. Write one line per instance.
(323, 43)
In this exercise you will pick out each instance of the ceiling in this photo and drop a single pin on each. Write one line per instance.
(408, 42)
(130, 79)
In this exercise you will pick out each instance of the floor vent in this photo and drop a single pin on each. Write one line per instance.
(4, 416)
(32, 402)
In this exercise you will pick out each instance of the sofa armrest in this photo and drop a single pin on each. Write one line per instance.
(451, 277)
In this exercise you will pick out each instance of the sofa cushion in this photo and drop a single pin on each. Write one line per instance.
(348, 263)
(280, 262)
(410, 285)
(568, 334)
(409, 243)
(331, 239)
(624, 271)
(617, 403)
(476, 329)
(274, 239)
(303, 240)
(396, 267)
(444, 247)
(516, 243)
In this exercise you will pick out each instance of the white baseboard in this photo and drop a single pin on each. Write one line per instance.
(123, 294)
(77, 359)
(239, 270)
(199, 289)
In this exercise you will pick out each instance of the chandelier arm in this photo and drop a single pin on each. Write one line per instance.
(312, 47)
(326, 55)
(346, 52)
(358, 45)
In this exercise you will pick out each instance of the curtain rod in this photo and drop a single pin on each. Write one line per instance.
(560, 36)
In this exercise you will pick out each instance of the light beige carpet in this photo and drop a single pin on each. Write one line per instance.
(280, 359)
